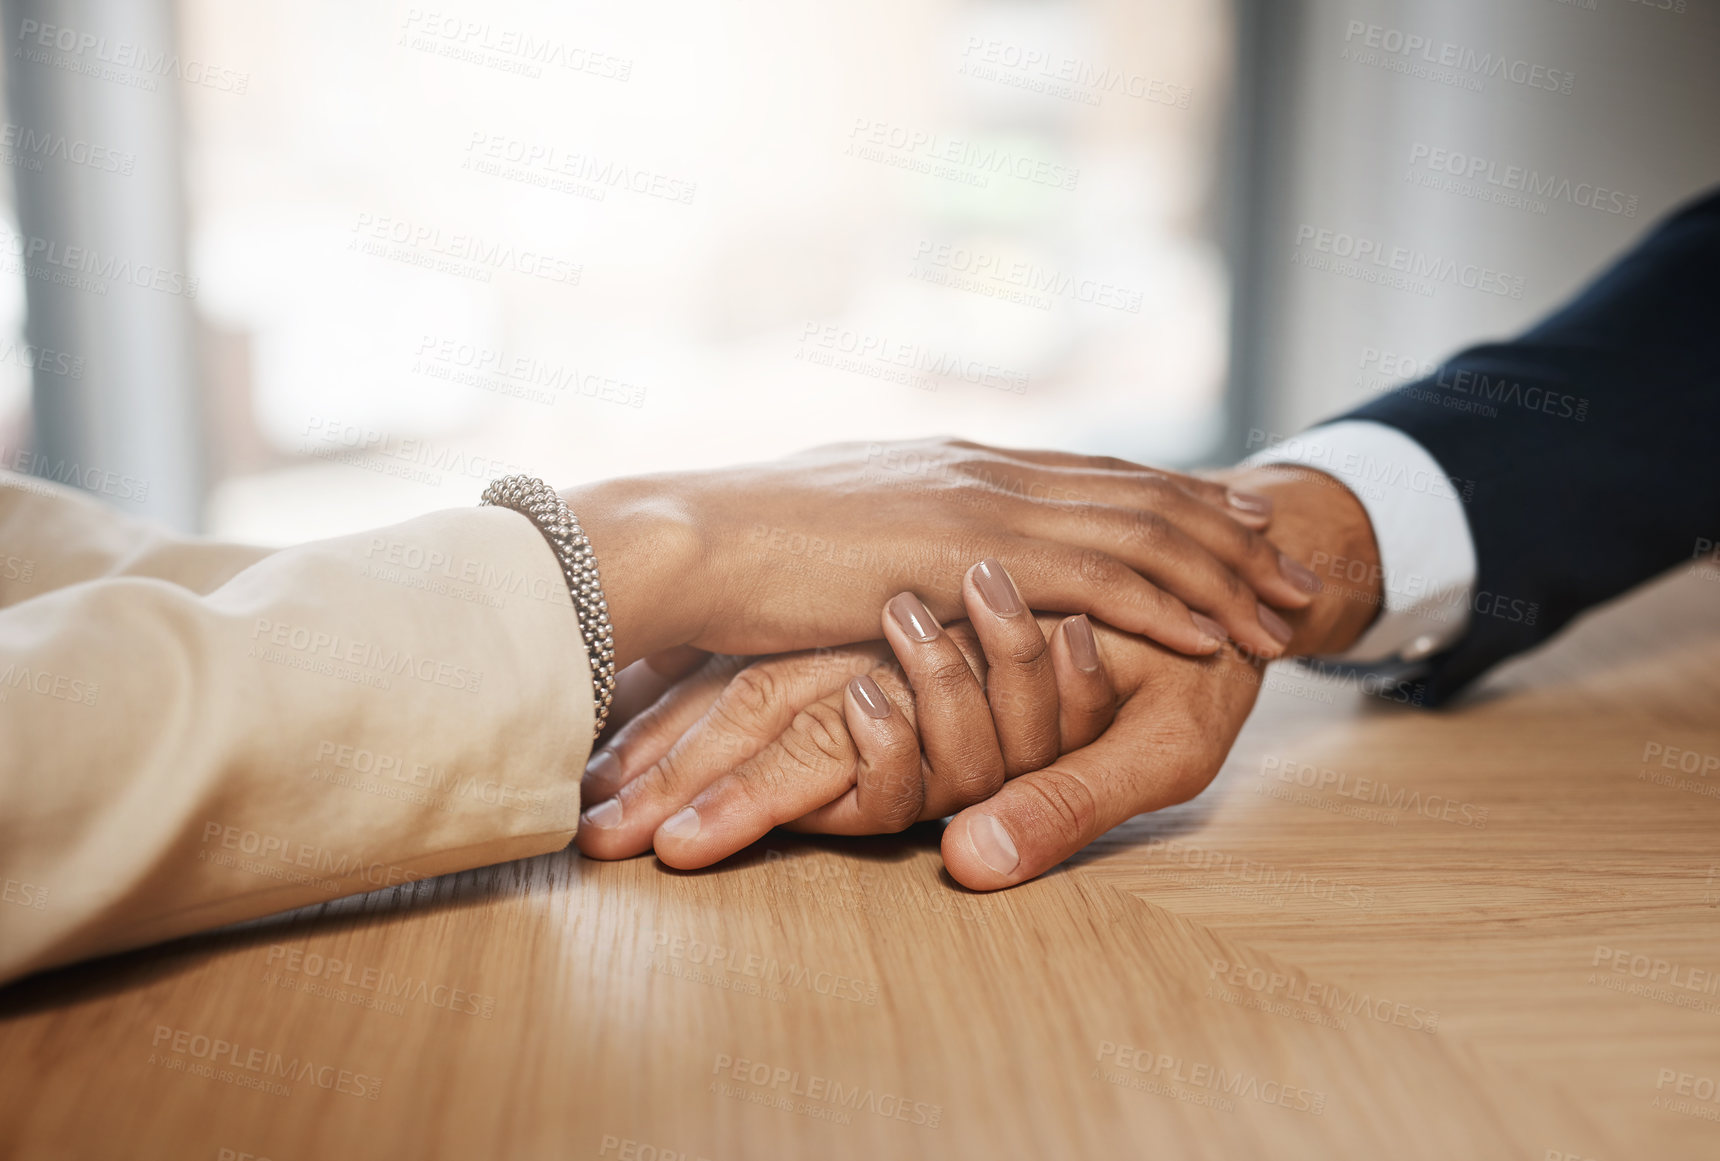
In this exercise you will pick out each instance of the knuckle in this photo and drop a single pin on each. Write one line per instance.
(945, 680)
(1023, 650)
(667, 778)
(1144, 529)
(818, 738)
(749, 697)
(1067, 803)
(1099, 568)
(894, 804)
(1034, 750)
(1236, 592)
(974, 779)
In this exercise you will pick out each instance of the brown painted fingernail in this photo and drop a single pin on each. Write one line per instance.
(870, 697)
(1083, 649)
(996, 588)
(1299, 574)
(1214, 631)
(912, 615)
(1277, 626)
(1249, 503)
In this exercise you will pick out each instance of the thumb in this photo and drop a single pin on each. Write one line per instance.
(1041, 818)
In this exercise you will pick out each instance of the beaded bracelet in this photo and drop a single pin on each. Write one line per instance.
(539, 503)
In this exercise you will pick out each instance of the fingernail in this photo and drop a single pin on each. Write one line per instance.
(683, 824)
(1276, 625)
(1083, 650)
(603, 766)
(1249, 503)
(992, 844)
(913, 616)
(1299, 574)
(1210, 627)
(996, 588)
(604, 815)
(870, 697)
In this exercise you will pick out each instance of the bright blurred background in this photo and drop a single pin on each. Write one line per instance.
(389, 251)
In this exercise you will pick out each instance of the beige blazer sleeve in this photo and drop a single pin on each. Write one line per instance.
(195, 733)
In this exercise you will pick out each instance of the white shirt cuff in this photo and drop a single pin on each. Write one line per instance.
(1427, 555)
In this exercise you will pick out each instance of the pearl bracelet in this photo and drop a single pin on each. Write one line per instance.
(539, 503)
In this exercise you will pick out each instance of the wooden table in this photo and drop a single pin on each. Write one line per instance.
(1382, 933)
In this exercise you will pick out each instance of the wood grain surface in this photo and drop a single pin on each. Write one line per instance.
(1381, 933)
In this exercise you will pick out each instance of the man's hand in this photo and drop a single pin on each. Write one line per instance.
(1179, 715)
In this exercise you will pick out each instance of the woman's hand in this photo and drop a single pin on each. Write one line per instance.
(802, 552)
(846, 741)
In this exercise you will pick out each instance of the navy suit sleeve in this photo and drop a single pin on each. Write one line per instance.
(1588, 446)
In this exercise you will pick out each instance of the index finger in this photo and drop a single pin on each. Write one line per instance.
(1247, 507)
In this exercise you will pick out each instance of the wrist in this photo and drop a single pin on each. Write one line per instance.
(649, 554)
(1318, 521)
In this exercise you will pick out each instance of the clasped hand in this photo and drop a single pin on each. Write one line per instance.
(1037, 731)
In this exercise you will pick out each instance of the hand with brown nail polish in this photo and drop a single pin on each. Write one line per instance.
(851, 741)
(801, 553)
